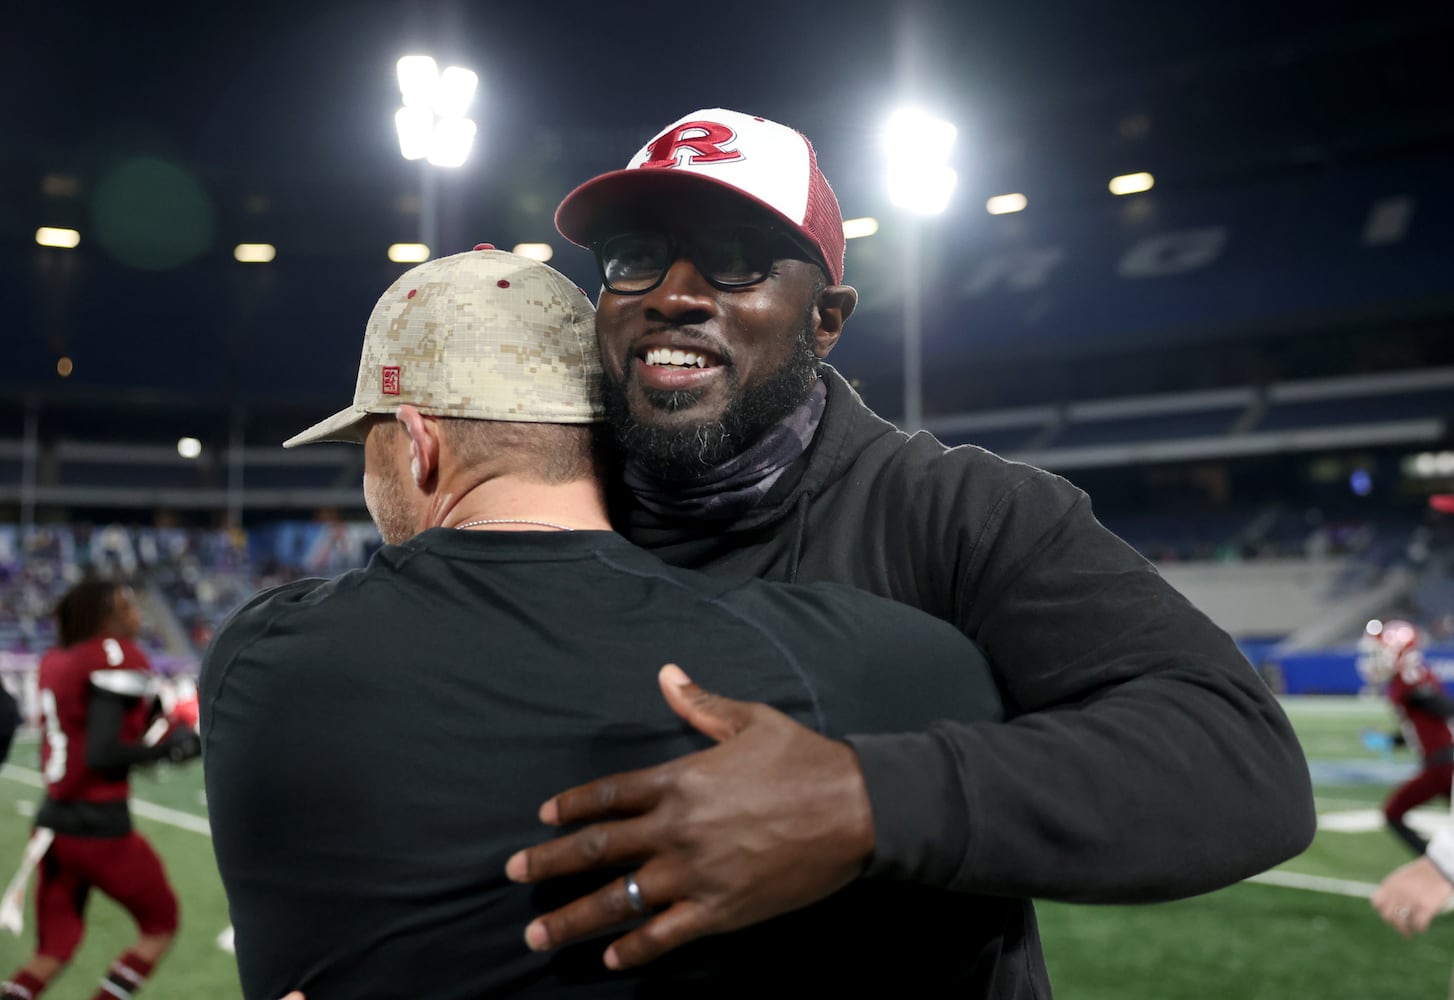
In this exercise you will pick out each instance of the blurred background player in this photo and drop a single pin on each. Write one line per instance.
(1389, 654)
(100, 718)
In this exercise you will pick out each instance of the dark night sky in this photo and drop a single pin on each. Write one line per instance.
(307, 87)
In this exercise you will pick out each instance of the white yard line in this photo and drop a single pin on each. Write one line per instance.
(1322, 706)
(171, 817)
(1321, 800)
(1315, 883)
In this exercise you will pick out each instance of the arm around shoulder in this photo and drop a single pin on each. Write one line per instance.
(937, 680)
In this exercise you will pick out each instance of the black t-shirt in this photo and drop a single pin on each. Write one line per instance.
(376, 747)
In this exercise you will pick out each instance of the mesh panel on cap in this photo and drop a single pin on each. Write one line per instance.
(824, 222)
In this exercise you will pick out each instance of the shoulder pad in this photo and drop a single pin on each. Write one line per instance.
(130, 683)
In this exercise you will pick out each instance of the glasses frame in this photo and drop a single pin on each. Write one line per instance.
(780, 236)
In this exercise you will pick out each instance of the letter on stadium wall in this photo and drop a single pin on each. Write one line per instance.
(1173, 253)
(1020, 272)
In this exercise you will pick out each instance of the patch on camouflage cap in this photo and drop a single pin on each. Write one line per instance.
(482, 335)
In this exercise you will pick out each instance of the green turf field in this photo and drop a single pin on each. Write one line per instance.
(1249, 942)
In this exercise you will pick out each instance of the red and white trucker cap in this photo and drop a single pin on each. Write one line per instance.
(767, 163)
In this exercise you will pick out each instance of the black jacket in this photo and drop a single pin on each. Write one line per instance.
(1145, 761)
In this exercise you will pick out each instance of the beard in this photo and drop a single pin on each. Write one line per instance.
(684, 453)
(387, 505)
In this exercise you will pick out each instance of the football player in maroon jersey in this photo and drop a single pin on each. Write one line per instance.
(99, 708)
(1389, 653)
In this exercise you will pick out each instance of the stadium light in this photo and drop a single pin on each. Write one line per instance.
(408, 253)
(416, 129)
(1006, 204)
(52, 236)
(1131, 183)
(535, 251)
(432, 126)
(455, 91)
(856, 229)
(189, 447)
(921, 182)
(920, 178)
(254, 253)
(418, 77)
(451, 142)
(1429, 464)
(64, 367)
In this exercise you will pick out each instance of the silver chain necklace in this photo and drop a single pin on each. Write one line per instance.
(514, 520)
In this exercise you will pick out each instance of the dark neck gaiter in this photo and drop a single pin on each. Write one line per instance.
(732, 488)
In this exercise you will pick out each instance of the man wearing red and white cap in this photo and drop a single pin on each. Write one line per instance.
(720, 249)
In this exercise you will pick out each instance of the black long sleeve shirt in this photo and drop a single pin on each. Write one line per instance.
(1144, 760)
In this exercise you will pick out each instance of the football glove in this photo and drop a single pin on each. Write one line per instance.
(182, 744)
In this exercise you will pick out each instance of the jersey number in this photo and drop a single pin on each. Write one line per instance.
(55, 737)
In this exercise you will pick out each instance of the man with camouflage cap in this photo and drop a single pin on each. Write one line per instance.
(376, 745)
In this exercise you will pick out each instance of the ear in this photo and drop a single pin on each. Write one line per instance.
(423, 445)
(835, 304)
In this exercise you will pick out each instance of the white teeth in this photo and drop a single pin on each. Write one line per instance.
(681, 359)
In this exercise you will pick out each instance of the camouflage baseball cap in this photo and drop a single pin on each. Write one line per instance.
(483, 335)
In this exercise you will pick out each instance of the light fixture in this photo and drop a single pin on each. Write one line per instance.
(1006, 204)
(1132, 183)
(54, 236)
(408, 253)
(254, 253)
(432, 124)
(535, 251)
(919, 176)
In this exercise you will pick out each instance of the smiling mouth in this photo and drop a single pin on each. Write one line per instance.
(666, 357)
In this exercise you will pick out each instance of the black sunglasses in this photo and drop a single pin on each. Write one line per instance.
(727, 256)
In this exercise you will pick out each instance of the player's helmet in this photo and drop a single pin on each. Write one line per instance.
(1386, 648)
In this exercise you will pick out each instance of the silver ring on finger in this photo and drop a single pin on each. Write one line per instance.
(1403, 912)
(633, 894)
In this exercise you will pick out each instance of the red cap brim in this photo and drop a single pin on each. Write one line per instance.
(579, 212)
